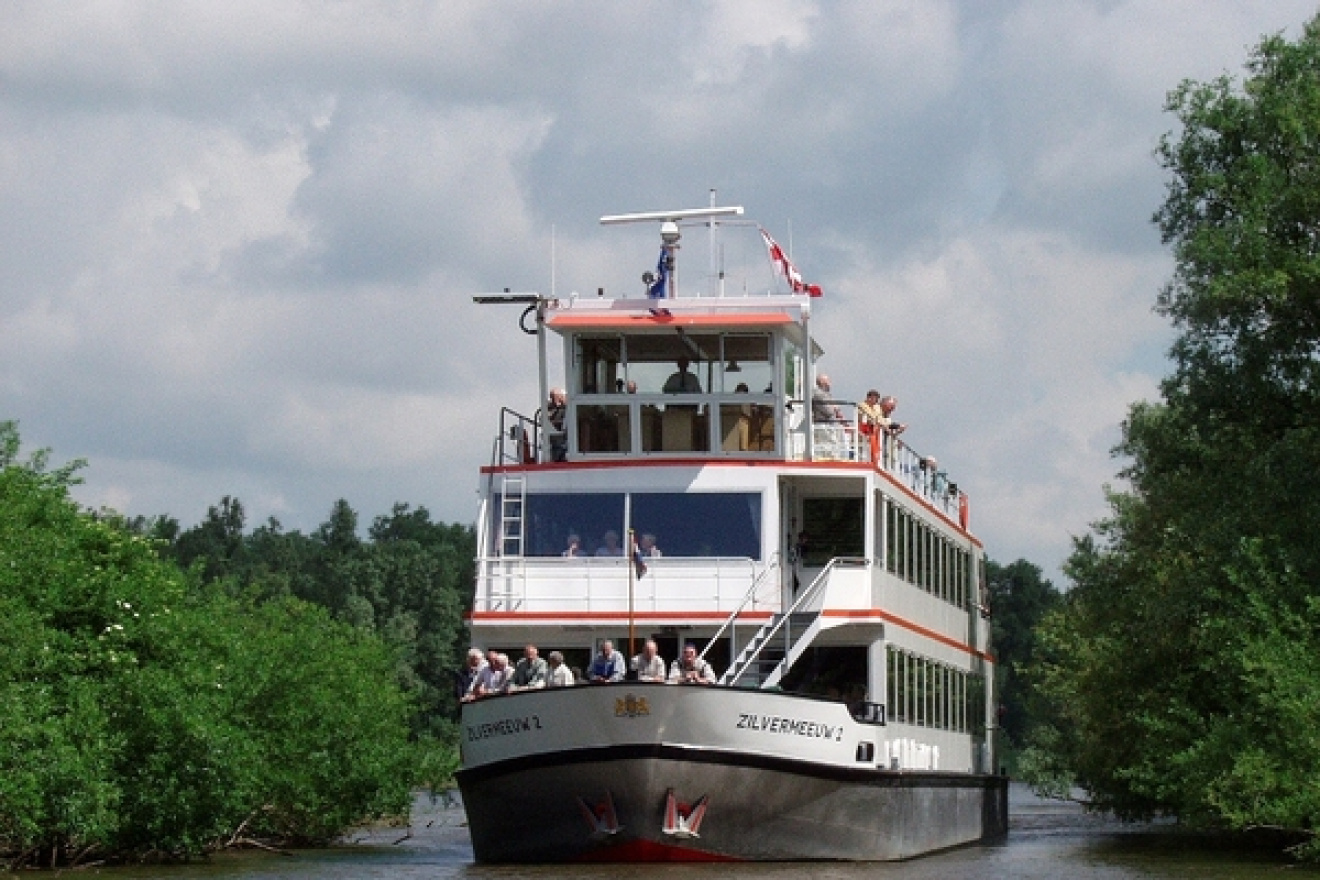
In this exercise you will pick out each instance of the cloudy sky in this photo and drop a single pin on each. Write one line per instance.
(238, 241)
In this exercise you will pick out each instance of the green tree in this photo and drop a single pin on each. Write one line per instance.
(1020, 596)
(142, 711)
(1182, 666)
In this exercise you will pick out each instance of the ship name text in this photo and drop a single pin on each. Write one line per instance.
(503, 727)
(797, 726)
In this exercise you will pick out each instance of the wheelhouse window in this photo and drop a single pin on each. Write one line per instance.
(673, 391)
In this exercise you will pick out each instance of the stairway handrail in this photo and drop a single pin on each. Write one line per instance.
(803, 597)
(750, 594)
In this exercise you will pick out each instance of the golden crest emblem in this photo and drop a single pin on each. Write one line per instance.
(631, 706)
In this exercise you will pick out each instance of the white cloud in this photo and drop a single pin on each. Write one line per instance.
(238, 241)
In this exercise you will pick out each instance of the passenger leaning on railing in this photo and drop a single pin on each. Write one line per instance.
(691, 669)
(823, 409)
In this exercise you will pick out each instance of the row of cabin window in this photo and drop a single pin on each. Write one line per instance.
(718, 362)
(923, 557)
(927, 693)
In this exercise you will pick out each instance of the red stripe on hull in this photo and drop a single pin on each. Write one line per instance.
(653, 851)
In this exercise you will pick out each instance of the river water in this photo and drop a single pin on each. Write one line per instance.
(1047, 839)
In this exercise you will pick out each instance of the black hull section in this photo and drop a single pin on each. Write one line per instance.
(670, 803)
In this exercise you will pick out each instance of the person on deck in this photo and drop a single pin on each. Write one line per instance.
(608, 665)
(890, 429)
(823, 408)
(556, 411)
(493, 678)
(646, 547)
(870, 421)
(466, 677)
(691, 669)
(530, 673)
(649, 665)
(682, 382)
(557, 674)
(609, 544)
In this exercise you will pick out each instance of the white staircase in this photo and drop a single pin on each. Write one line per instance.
(773, 650)
(778, 645)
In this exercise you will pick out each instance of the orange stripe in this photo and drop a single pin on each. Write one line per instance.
(920, 630)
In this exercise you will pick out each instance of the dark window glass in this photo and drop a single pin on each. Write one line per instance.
(552, 519)
(833, 528)
(700, 524)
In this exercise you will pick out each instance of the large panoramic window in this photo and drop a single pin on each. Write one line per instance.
(688, 524)
(681, 525)
(595, 520)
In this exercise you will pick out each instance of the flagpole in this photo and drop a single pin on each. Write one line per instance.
(632, 556)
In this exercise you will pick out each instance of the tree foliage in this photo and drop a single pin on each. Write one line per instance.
(410, 582)
(1020, 597)
(1183, 666)
(143, 712)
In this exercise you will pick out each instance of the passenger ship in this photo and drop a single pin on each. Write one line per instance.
(835, 583)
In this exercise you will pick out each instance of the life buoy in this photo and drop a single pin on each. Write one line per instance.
(964, 510)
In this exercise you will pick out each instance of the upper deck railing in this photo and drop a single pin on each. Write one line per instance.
(754, 431)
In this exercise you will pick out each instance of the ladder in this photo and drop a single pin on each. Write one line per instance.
(513, 506)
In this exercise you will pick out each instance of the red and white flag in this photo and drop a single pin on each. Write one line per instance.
(784, 266)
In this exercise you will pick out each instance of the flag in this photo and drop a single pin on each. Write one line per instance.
(639, 564)
(658, 288)
(784, 266)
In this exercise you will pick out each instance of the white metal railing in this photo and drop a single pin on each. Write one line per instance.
(843, 441)
(602, 584)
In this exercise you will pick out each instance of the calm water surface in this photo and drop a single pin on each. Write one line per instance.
(1047, 840)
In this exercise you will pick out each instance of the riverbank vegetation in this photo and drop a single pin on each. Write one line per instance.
(1019, 597)
(154, 712)
(1183, 669)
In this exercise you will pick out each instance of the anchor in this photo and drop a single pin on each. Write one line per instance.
(683, 820)
(601, 818)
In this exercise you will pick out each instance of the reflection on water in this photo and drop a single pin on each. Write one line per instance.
(1047, 840)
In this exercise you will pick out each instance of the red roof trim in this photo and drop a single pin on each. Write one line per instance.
(632, 319)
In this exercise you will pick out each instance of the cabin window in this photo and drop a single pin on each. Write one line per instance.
(748, 427)
(745, 366)
(832, 527)
(700, 524)
(601, 368)
(604, 428)
(553, 519)
(928, 693)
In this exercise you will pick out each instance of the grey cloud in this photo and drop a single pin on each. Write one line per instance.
(239, 240)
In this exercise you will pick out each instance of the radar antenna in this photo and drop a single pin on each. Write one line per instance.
(666, 285)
